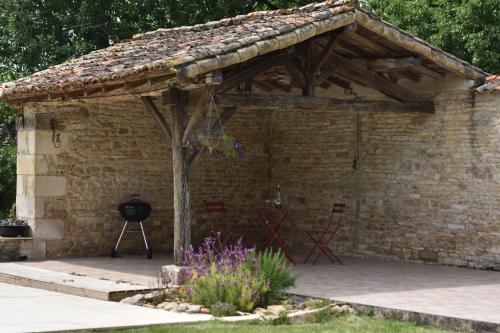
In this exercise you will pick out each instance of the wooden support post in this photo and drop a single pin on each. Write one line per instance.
(181, 171)
(307, 71)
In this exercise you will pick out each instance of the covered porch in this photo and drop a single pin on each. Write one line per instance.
(338, 107)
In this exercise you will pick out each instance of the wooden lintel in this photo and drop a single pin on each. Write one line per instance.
(158, 116)
(321, 104)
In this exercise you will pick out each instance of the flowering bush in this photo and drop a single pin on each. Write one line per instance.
(235, 275)
(212, 251)
(237, 286)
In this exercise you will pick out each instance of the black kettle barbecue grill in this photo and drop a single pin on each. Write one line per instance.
(134, 211)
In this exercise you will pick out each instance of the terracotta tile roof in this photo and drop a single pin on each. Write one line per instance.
(190, 51)
(164, 49)
(492, 84)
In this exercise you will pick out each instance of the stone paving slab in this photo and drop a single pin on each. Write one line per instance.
(438, 290)
(33, 310)
(66, 283)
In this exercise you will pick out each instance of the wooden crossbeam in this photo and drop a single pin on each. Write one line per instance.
(388, 64)
(321, 104)
(158, 116)
(198, 114)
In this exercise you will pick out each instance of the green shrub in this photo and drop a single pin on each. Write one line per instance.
(7, 177)
(238, 286)
(276, 271)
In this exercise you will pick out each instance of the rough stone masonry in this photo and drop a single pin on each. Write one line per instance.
(428, 185)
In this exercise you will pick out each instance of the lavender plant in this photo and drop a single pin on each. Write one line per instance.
(234, 274)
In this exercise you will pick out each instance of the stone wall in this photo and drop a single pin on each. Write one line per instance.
(428, 185)
(70, 193)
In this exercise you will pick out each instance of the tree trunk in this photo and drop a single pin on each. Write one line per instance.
(181, 171)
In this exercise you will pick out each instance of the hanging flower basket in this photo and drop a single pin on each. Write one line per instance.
(212, 143)
(213, 137)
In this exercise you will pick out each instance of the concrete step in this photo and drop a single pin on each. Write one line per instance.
(67, 283)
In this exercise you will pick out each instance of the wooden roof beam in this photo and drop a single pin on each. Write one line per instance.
(320, 104)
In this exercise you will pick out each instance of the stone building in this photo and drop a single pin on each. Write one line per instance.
(332, 103)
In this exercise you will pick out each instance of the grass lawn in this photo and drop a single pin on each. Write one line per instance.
(341, 324)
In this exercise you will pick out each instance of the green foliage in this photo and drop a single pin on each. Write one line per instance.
(7, 177)
(239, 287)
(468, 29)
(220, 309)
(277, 272)
(321, 303)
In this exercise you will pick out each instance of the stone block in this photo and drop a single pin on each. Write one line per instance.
(426, 255)
(29, 207)
(26, 142)
(45, 146)
(173, 276)
(31, 165)
(25, 185)
(50, 186)
(50, 229)
(25, 164)
(38, 250)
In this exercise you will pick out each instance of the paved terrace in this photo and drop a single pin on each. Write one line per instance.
(436, 290)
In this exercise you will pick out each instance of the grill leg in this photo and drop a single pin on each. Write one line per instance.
(144, 236)
(121, 235)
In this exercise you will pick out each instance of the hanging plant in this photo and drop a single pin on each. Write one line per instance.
(213, 138)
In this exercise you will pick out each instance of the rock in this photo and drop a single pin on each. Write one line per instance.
(296, 300)
(155, 297)
(170, 306)
(342, 308)
(309, 303)
(193, 308)
(205, 310)
(183, 307)
(262, 312)
(149, 305)
(174, 276)
(135, 300)
(276, 309)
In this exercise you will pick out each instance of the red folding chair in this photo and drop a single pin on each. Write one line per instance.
(323, 237)
(218, 221)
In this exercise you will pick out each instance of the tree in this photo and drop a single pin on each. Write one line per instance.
(468, 29)
(36, 34)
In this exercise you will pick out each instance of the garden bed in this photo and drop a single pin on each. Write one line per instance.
(292, 308)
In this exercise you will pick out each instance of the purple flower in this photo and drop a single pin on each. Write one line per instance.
(237, 144)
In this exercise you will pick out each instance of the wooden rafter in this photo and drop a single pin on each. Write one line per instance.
(349, 69)
(251, 70)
